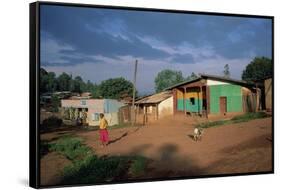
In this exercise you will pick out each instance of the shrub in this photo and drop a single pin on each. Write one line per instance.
(249, 116)
(86, 167)
(52, 121)
(93, 170)
(237, 119)
(138, 166)
(71, 147)
(55, 101)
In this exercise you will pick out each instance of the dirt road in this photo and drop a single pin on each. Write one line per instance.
(235, 148)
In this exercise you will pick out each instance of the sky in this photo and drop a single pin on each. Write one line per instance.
(98, 44)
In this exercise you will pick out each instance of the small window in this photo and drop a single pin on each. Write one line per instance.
(192, 101)
(95, 116)
(83, 102)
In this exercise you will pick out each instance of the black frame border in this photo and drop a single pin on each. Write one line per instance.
(34, 90)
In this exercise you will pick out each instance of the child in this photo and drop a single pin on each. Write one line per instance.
(103, 131)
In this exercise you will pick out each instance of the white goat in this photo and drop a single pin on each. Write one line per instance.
(197, 134)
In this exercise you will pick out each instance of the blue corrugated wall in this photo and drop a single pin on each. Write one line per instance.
(111, 106)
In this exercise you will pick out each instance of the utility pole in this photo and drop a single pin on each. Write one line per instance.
(133, 114)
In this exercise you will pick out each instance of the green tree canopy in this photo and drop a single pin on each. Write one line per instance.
(192, 76)
(116, 88)
(48, 82)
(166, 78)
(64, 82)
(226, 72)
(259, 68)
(78, 85)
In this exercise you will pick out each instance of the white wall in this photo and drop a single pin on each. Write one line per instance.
(112, 119)
(211, 82)
(166, 107)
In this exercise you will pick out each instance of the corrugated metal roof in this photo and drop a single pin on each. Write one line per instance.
(220, 78)
(183, 83)
(155, 98)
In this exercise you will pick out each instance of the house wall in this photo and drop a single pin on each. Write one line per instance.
(96, 106)
(268, 93)
(93, 118)
(165, 108)
(111, 105)
(190, 93)
(249, 99)
(233, 94)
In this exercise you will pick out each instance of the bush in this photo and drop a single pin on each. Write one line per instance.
(237, 119)
(93, 170)
(138, 166)
(72, 148)
(52, 121)
(55, 103)
(249, 116)
(88, 168)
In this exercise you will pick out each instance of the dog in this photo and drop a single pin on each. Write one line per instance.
(197, 134)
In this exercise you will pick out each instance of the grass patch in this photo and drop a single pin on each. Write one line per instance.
(249, 116)
(138, 166)
(237, 119)
(93, 169)
(88, 168)
(71, 147)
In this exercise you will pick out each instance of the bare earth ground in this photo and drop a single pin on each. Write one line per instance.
(236, 148)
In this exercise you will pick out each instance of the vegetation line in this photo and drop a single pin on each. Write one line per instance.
(88, 168)
(237, 119)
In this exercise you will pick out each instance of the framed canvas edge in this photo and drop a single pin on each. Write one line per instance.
(34, 140)
(34, 91)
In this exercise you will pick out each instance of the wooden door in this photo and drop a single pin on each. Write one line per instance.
(223, 108)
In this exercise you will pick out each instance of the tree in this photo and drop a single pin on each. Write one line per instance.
(48, 82)
(226, 71)
(78, 84)
(55, 103)
(259, 68)
(51, 82)
(166, 78)
(64, 82)
(43, 80)
(192, 76)
(115, 88)
(95, 91)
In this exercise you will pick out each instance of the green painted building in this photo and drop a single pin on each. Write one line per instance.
(209, 94)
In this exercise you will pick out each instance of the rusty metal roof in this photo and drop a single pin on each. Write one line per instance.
(155, 98)
(206, 76)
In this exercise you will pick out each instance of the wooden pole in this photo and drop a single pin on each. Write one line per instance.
(201, 104)
(207, 101)
(134, 91)
(184, 102)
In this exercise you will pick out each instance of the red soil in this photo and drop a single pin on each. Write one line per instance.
(236, 148)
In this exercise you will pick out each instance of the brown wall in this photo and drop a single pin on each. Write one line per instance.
(268, 93)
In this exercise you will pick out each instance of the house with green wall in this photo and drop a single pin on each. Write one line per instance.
(209, 94)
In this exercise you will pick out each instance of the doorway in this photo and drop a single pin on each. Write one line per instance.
(223, 103)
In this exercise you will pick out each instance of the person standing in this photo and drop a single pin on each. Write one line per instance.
(103, 130)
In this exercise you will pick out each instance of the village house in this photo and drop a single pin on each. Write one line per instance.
(92, 108)
(212, 95)
(268, 93)
(153, 107)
